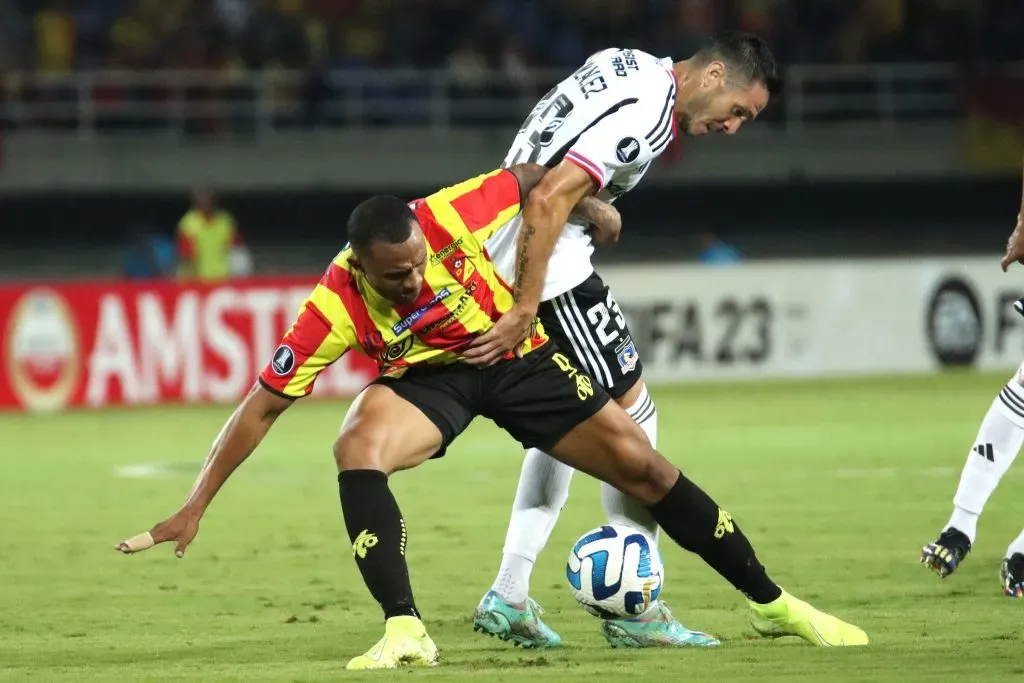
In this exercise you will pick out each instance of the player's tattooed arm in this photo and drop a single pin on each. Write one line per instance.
(603, 216)
(546, 211)
(237, 439)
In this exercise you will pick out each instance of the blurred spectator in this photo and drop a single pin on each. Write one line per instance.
(468, 66)
(714, 251)
(14, 37)
(55, 38)
(149, 256)
(297, 34)
(210, 247)
(488, 47)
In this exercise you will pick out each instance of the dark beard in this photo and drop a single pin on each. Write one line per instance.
(683, 121)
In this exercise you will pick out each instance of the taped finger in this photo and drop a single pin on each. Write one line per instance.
(137, 543)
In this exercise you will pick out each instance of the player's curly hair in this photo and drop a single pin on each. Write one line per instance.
(747, 57)
(382, 218)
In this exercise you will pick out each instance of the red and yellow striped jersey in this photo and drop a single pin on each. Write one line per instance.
(462, 296)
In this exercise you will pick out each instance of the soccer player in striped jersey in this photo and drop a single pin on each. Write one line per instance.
(414, 288)
(997, 445)
(600, 129)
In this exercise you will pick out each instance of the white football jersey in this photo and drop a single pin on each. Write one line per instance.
(612, 118)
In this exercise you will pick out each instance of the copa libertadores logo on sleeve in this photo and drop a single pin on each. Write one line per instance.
(627, 150)
(284, 360)
(953, 323)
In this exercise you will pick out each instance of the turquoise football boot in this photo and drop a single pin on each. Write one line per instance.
(655, 628)
(517, 624)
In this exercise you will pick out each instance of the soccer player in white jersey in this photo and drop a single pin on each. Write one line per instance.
(599, 130)
(999, 440)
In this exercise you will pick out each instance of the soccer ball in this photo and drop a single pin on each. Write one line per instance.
(615, 571)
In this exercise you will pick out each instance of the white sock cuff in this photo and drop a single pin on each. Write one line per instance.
(1011, 402)
(643, 408)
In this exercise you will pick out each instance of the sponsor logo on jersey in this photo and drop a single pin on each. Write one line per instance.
(624, 63)
(452, 316)
(615, 190)
(445, 252)
(627, 356)
(284, 360)
(407, 322)
(627, 150)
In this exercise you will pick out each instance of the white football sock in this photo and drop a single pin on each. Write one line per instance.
(542, 491)
(1016, 547)
(1000, 438)
(620, 508)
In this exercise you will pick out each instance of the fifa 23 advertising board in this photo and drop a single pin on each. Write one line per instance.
(101, 344)
(820, 318)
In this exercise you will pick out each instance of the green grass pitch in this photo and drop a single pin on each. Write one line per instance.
(838, 484)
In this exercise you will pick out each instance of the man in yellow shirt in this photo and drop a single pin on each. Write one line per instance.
(209, 245)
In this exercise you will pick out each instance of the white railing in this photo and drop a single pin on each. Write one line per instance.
(200, 103)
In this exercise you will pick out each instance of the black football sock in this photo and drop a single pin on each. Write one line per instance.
(377, 531)
(694, 521)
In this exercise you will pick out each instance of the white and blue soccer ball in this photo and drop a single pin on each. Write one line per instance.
(615, 571)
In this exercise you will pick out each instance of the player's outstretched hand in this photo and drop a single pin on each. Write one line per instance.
(508, 334)
(182, 527)
(1015, 245)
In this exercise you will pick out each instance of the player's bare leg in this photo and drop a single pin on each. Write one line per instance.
(611, 447)
(382, 434)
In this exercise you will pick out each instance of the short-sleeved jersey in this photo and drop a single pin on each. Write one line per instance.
(612, 118)
(462, 296)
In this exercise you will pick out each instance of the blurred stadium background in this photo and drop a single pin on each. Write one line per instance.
(898, 135)
(854, 230)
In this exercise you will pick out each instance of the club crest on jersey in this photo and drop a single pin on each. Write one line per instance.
(627, 150)
(384, 353)
(284, 360)
(395, 351)
(627, 356)
(458, 266)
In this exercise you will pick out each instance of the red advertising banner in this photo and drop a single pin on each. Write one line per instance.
(96, 344)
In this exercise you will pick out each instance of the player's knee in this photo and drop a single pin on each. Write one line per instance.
(358, 449)
(644, 473)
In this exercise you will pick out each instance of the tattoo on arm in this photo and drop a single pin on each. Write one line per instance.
(522, 259)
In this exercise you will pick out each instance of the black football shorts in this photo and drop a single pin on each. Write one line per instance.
(537, 399)
(589, 327)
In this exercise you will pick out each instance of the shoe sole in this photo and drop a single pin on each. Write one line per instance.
(618, 637)
(774, 631)
(409, 661)
(497, 625)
